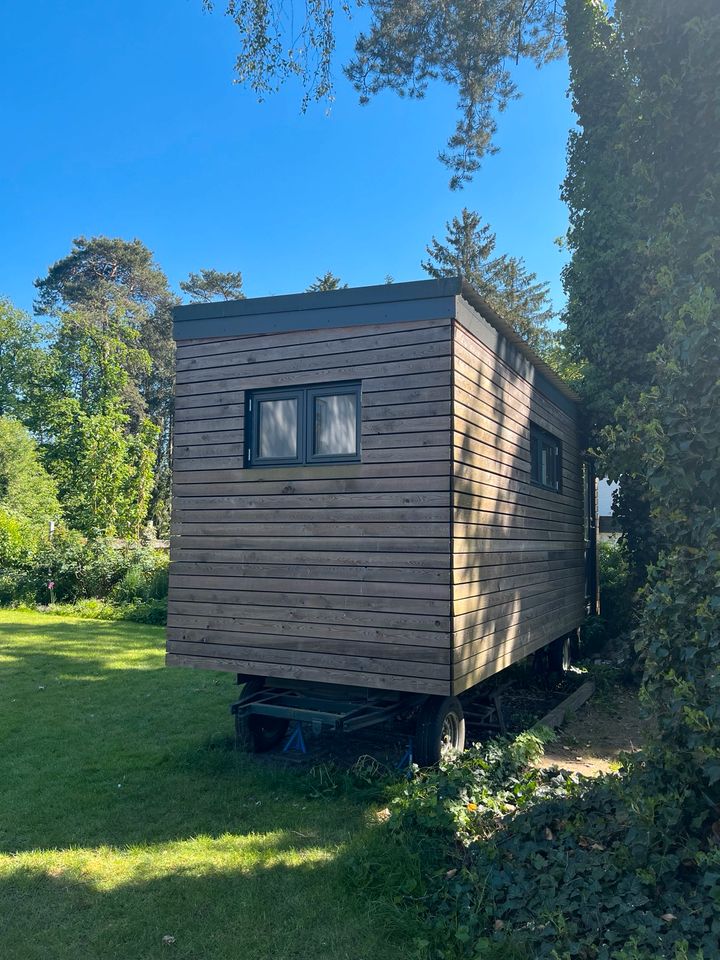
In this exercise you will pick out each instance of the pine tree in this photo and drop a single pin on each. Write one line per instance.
(328, 281)
(208, 285)
(510, 289)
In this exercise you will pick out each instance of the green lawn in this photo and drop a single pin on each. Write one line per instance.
(126, 815)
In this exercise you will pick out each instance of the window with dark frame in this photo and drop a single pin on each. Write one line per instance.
(298, 425)
(545, 459)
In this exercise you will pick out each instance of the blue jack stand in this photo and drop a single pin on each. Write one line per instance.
(407, 758)
(296, 741)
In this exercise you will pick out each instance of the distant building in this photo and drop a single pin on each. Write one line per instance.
(609, 526)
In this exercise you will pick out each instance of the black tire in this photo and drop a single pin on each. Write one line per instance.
(255, 733)
(440, 730)
(559, 655)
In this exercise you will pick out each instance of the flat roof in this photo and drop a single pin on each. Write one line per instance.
(382, 303)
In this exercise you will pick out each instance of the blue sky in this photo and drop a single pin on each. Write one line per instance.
(121, 118)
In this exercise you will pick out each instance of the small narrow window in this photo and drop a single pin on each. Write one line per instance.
(303, 425)
(545, 459)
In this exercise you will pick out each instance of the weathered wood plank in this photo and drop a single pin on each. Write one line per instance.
(436, 363)
(439, 560)
(558, 715)
(319, 645)
(305, 340)
(338, 353)
(403, 667)
(197, 628)
(435, 375)
(274, 595)
(387, 578)
(381, 681)
(517, 549)
(379, 617)
(318, 529)
(333, 515)
(434, 479)
(319, 501)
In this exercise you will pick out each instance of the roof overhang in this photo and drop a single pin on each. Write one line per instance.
(384, 303)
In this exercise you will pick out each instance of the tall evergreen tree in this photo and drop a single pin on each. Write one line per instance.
(328, 281)
(511, 290)
(208, 285)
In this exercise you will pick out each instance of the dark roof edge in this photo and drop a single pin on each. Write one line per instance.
(471, 296)
(337, 307)
(325, 300)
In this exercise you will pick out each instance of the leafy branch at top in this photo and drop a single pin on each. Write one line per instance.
(470, 45)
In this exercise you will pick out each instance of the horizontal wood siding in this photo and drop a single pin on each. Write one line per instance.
(518, 551)
(338, 573)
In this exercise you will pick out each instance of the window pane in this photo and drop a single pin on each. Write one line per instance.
(535, 460)
(277, 427)
(335, 425)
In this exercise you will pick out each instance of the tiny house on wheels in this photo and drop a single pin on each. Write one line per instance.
(379, 500)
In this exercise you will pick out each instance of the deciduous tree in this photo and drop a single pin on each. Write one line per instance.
(20, 359)
(26, 488)
(113, 308)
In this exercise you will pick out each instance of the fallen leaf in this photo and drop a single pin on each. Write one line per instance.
(451, 873)
(549, 835)
(668, 917)
(499, 924)
(167, 940)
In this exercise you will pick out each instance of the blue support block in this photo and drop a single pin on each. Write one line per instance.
(406, 760)
(296, 740)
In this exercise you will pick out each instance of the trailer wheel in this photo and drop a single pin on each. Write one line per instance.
(440, 730)
(559, 655)
(257, 733)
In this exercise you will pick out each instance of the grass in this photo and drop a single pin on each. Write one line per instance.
(126, 815)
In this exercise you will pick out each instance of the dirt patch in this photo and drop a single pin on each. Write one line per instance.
(592, 740)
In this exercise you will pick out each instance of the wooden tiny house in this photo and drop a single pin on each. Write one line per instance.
(379, 487)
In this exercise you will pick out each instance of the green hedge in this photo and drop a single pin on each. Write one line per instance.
(78, 567)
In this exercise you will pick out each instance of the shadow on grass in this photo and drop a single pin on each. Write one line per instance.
(281, 912)
(126, 815)
(99, 753)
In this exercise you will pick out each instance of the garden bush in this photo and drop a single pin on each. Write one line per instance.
(504, 860)
(138, 611)
(79, 568)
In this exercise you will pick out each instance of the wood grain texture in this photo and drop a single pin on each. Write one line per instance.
(427, 567)
(339, 572)
(518, 550)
